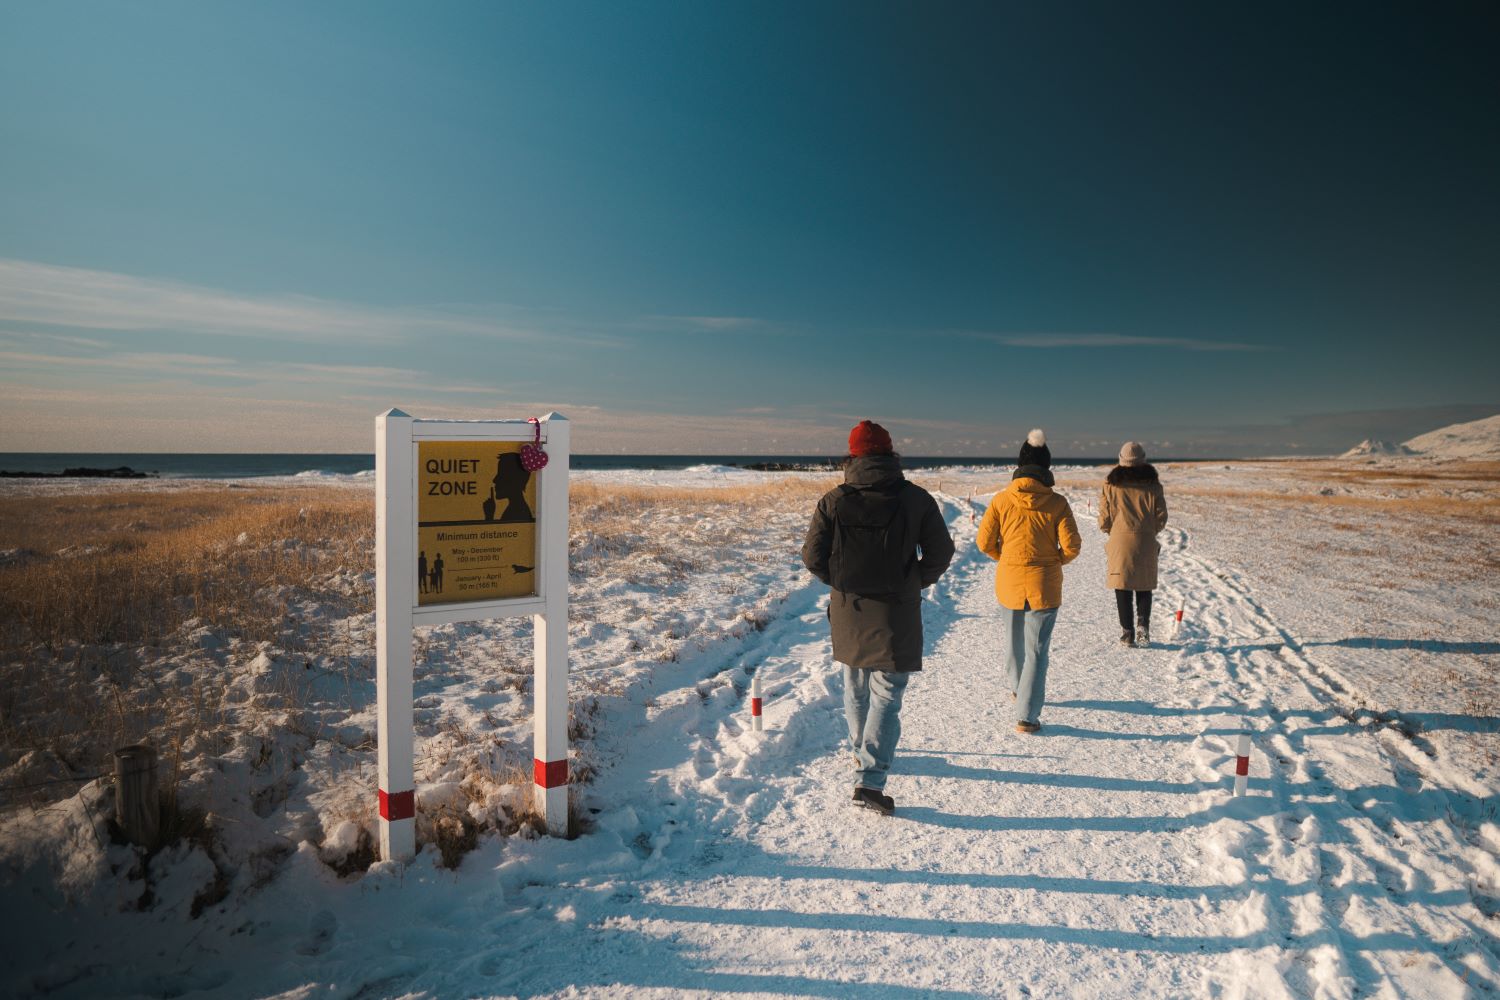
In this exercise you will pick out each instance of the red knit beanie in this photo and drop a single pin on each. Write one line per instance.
(869, 438)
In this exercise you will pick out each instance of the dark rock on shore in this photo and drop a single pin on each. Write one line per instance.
(811, 466)
(123, 472)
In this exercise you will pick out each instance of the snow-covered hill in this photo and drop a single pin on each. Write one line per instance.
(1478, 439)
(1370, 448)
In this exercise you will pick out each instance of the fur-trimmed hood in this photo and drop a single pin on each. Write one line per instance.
(1132, 475)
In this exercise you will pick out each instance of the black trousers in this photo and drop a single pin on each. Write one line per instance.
(1142, 608)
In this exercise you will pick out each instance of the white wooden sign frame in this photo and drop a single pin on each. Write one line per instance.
(397, 436)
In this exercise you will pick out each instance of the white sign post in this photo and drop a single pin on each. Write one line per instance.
(507, 556)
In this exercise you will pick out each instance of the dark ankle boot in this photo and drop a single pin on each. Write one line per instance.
(869, 798)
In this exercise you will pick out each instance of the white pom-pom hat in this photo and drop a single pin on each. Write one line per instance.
(1034, 450)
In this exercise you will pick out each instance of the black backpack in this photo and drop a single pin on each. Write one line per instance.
(870, 552)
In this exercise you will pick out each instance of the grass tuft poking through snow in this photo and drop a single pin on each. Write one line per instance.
(97, 621)
(232, 628)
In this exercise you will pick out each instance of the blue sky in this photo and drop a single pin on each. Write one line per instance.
(742, 227)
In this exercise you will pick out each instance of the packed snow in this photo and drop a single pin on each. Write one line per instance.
(1370, 447)
(1345, 621)
(1476, 440)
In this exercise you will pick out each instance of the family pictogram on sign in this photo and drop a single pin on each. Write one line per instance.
(429, 580)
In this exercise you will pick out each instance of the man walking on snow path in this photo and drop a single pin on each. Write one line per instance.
(877, 540)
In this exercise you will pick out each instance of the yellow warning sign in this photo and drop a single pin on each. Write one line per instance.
(476, 522)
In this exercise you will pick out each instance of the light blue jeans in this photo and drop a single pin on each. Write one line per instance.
(1026, 660)
(872, 707)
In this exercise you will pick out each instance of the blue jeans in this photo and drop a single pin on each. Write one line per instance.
(1026, 660)
(872, 707)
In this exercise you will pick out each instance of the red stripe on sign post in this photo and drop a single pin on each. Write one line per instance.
(550, 774)
(754, 706)
(397, 805)
(1242, 765)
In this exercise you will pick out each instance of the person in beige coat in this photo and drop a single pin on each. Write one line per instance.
(1133, 511)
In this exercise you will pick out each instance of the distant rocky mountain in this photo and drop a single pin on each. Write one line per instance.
(1476, 440)
(1369, 448)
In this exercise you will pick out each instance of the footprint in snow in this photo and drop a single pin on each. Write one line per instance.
(321, 929)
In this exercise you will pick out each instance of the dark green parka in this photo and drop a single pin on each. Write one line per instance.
(881, 631)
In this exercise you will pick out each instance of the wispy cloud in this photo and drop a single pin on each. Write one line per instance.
(713, 324)
(1054, 340)
(104, 300)
(185, 416)
(171, 366)
(23, 338)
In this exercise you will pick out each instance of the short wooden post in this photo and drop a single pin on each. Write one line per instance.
(137, 803)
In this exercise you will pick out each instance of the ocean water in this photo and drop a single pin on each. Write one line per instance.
(241, 466)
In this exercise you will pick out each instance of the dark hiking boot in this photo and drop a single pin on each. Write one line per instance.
(1028, 727)
(1143, 634)
(869, 798)
(1127, 638)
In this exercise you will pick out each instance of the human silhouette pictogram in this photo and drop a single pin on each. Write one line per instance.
(511, 478)
(422, 572)
(437, 574)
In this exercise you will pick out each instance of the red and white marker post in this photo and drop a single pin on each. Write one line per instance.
(398, 440)
(1242, 767)
(755, 702)
(1177, 623)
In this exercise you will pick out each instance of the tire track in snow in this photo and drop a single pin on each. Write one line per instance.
(1341, 840)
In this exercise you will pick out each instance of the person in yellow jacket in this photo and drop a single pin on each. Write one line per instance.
(1029, 530)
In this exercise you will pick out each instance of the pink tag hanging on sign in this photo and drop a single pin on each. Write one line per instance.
(533, 458)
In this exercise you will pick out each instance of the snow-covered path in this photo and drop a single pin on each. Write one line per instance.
(1104, 856)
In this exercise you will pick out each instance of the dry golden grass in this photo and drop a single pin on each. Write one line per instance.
(588, 498)
(96, 586)
(1417, 475)
(659, 537)
(1485, 510)
(131, 567)
(101, 581)
(1446, 475)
